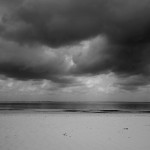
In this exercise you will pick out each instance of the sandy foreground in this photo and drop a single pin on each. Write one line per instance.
(68, 131)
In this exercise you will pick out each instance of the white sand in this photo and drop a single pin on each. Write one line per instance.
(74, 131)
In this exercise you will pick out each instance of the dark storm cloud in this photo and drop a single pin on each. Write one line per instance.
(64, 22)
(53, 23)
(122, 29)
(130, 63)
(132, 83)
(102, 56)
(32, 63)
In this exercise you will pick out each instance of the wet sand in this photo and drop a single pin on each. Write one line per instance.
(74, 131)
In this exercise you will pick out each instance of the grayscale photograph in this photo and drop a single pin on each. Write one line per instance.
(74, 74)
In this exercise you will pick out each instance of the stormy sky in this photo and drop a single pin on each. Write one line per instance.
(75, 50)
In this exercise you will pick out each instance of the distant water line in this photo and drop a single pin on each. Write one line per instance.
(83, 107)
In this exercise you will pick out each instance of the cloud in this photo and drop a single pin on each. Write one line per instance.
(32, 63)
(53, 23)
(100, 36)
(100, 56)
(56, 23)
(129, 63)
(94, 57)
(133, 83)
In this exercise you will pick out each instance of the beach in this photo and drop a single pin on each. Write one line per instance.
(74, 131)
